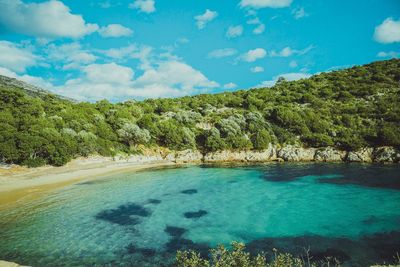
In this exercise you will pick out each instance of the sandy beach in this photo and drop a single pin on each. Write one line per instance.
(19, 184)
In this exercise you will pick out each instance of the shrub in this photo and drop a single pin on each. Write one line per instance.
(261, 139)
(33, 163)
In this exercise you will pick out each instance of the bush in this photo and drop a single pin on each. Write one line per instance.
(390, 135)
(33, 163)
(238, 257)
(212, 141)
(317, 140)
(261, 139)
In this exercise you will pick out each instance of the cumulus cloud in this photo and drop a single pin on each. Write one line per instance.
(253, 55)
(50, 19)
(206, 17)
(388, 31)
(116, 82)
(15, 57)
(234, 31)
(257, 69)
(390, 54)
(230, 85)
(142, 53)
(175, 74)
(37, 81)
(287, 52)
(292, 76)
(146, 6)
(108, 73)
(265, 3)
(260, 27)
(69, 56)
(224, 52)
(299, 13)
(115, 30)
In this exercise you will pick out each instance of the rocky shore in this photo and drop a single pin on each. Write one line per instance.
(272, 153)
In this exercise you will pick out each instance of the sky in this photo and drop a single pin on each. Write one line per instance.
(137, 49)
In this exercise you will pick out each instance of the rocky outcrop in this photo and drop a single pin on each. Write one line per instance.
(362, 155)
(268, 154)
(188, 155)
(292, 153)
(272, 153)
(329, 154)
(386, 154)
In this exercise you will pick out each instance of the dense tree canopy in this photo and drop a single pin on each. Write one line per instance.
(348, 109)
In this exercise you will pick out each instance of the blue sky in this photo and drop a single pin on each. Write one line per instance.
(123, 49)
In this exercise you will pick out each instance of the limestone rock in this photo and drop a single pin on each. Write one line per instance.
(329, 154)
(361, 155)
(292, 153)
(188, 155)
(242, 156)
(386, 154)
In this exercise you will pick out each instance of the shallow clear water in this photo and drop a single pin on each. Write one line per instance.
(349, 211)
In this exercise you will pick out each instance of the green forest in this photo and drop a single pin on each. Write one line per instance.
(347, 109)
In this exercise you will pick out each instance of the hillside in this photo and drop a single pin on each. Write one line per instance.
(12, 83)
(347, 109)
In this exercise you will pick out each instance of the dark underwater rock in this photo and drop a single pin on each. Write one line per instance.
(195, 214)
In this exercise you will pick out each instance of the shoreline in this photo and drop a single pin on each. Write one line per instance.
(18, 183)
(21, 183)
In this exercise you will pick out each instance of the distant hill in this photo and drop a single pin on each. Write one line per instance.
(29, 89)
(346, 109)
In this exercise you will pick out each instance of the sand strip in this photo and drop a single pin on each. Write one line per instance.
(19, 184)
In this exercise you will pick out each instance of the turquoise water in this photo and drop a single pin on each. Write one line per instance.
(349, 211)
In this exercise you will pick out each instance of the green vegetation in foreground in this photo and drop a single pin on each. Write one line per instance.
(238, 257)
(347, 109)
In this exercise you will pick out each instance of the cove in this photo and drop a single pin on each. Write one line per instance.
(348, 211)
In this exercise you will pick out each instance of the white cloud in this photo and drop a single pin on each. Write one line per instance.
(257, 69)
(120, 53)
(115, 30)
(70, 55)
(388, 31)
(265, 3)
(224, 52)
(287, 52)
(15, 57)
(234, 31)
(50, 19)
(259, 29)
(390, 54)
(229, 85)
(108, 73)
(292, 76)
(37, 81)
(175, 74)
(141, 52)
(206, 17)
(146, 6)
(253, 55)
(293, 64)
(299, 13)
(163, 79)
